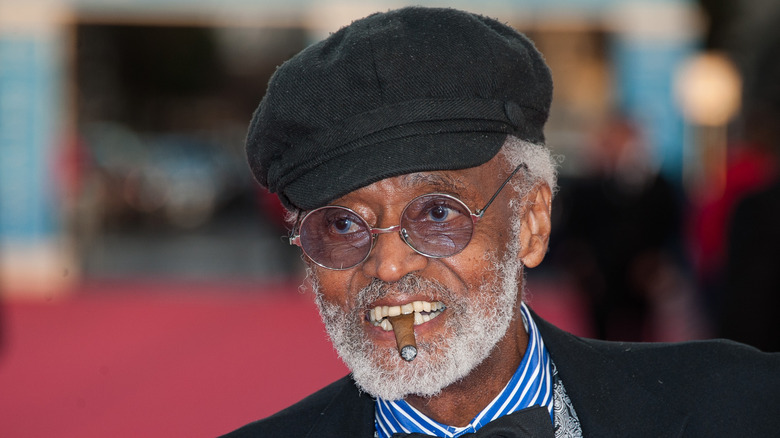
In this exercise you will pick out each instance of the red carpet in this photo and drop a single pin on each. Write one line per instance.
(165, 360)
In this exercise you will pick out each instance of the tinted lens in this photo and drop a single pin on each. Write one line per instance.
(335, 237)
(437, 225)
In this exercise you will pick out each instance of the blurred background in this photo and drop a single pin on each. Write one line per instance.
(146, 288)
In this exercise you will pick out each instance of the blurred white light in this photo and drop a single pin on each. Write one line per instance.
(708, 89)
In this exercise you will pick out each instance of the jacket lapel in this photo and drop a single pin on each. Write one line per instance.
(601, 380)
(350, 412)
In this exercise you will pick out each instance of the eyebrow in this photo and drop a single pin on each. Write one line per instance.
(438, 182)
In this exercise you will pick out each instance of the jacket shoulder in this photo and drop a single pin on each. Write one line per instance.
(709, 363)
(730, 389)
(707, 388)
(299, 419)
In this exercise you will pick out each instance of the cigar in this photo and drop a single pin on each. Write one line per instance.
(403, 327)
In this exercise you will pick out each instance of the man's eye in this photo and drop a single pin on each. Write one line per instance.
(439, 213)
(344, 226)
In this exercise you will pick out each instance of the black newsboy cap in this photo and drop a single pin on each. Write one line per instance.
(410, 90)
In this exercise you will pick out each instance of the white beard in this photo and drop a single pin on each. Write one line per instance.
(474, 325)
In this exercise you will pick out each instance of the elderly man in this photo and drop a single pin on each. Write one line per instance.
(408, 148)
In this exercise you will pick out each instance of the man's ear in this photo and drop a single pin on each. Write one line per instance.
(535, 226)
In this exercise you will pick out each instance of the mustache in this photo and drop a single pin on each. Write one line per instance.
(409, 284)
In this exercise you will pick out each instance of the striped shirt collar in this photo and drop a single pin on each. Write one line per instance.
(530, 385)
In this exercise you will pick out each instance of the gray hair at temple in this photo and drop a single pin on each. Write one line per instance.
(542, 165)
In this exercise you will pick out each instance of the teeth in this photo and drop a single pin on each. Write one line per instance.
(424, 311)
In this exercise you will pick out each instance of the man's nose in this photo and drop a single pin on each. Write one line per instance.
(391, 258)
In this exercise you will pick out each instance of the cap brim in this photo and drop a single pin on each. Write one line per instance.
(366, 165)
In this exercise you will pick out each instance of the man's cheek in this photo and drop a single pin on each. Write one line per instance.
(337, 287)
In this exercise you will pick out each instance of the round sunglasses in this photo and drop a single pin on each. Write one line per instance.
(435, 225)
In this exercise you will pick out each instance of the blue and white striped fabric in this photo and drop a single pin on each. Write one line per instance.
(530, 385)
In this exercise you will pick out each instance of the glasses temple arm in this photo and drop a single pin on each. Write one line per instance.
(294, 237)
(480, 212)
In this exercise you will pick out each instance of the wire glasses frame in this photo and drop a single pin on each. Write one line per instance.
(435, 225)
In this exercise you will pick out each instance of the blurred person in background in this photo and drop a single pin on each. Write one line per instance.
(751, 294)
(409, 149)
(751, 167)
(620, 256)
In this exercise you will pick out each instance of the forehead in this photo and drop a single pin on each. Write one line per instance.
(471, 185)
(463, 184)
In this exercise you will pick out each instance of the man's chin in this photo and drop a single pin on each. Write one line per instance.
(440, 362)
(444, 357)
(391, 378)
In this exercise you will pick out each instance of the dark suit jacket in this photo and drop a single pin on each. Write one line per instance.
(693, 389)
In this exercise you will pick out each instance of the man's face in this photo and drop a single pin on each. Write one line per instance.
(468, 300)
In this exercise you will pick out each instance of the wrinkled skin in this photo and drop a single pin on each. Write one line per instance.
(471, 281)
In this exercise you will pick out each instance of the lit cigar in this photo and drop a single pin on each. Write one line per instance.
(403, 327)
